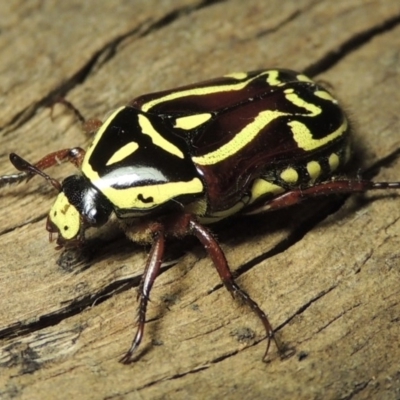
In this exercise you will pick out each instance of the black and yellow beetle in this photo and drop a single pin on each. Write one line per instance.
(171, 162)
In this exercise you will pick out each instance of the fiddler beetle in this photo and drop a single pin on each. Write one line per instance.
(172, 162)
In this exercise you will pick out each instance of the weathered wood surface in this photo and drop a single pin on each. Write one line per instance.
(326, 273)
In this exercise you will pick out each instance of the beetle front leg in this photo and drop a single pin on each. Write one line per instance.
(28, 170)
(74, 156)
(151, 272)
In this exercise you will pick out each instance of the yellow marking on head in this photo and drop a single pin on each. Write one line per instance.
(262, 187)
(241, 139)
(123, 152)
(305, 140)
(158, 140)
(237, 75)
(314, 170)
(86, 167)
(299, 102)
(290, 175)
(272, 78)
(323, 94)
(304, 78)
(334, 161)
(147, 197)
(192, 121)
(201, 91)
(65, 217)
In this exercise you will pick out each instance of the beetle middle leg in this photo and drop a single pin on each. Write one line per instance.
(218, 257)
(28, 171)
(188, 224)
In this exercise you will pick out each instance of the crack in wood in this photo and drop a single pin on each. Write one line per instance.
(98, 59)
(73, 308)
(358, 387)
(304, 307)
(349, 46)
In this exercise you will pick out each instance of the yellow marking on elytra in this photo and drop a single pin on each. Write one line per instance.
(333, 161)
(314, 170)
(290, 175)
(272, 78)
(291, 95)
(123, 152)
(192, 121)
(219, 215)
(65, 217)
(147, 197)
(232, 210)
(301, 133)
(241, 139)
(86, 167)
(201, 91)
(263, 187)
(304, 139)
(158, 140)
(237, 75)
(303, 78)
(323, 94)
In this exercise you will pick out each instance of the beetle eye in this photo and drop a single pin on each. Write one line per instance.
(91, 216)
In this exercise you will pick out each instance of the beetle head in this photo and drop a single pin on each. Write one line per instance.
(79, 205)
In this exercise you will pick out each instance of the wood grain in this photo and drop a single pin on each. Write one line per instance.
(326, 272)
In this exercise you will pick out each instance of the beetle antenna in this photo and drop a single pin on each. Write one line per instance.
(22, 165)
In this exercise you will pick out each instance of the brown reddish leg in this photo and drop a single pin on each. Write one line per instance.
(296, 196)
(150, 274)
(74, 155)
(218, 257)
(70, 106)
(89, 126)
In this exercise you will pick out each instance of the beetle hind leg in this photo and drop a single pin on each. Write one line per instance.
(340, 186)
